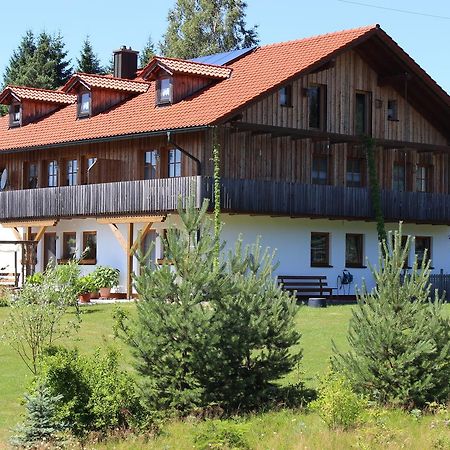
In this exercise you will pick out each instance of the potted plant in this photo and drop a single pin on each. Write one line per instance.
(105, 278)
(85, 285)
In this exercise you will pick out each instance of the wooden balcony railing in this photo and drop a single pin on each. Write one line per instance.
(238, 195)
(122, 198)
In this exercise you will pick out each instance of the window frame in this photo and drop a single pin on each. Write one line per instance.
(396, 179)
(425, 180)
(429, 248)
(367, 122)
(29, 176)
(72, 176)
(176, 164)
(84, 260)
(83, 114)
(159, 99)
(392, 110)
(12, 122)
(359, 250)
(314, 180)
(150, 164)
(327, 237)
(285, 96)
(54, 175)
(67, 235)
(321, 123)
(360, 162)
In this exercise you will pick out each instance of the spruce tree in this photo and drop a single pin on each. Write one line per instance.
(399, 337)
(206, 332)
(41, 424)
(202, 27)
(147, 53)
(88, 62)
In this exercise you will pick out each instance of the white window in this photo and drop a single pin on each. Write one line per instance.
(84, 104)
(164, 90)
(15, 114)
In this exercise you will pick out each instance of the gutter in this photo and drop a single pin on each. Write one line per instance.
(120, 137)
(182, 150)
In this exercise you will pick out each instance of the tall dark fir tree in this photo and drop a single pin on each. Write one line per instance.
(147, 53)
(89, 62)
(202, 27)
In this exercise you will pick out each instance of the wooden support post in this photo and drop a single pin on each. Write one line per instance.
(16, 233)
(40, 233)
(115, 230)
(129, 260)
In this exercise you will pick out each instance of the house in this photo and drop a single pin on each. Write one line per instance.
(102, 161)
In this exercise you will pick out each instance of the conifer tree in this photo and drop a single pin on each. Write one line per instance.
(202, 27)
(88, 62)
(41, 423)
(147, 53)
(206, 332)
(399, 337)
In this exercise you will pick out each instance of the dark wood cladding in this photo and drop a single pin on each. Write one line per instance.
(335, 202)
(97, 200)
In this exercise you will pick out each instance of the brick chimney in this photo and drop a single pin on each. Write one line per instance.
(125, 62)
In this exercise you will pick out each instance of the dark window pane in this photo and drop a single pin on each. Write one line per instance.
(314, 106)
(69, 245)
(320, 171)
(32, 176)
(285, 95)
(361, 114)
(421, 179)
(72, 172)
(150, 165)
(90, 245)
(399, 181)
(392, 110)
(52, 174)
(354, 250)
(320, 249)
(354, 178)
(174, 163)
(423, 244)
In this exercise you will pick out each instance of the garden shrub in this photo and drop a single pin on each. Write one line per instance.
(96, 395)
(399, 334)
(219, 434)
(337, 404)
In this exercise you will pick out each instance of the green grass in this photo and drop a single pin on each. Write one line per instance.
(275, 430)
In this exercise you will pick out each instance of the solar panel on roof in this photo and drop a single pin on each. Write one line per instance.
(221, 59)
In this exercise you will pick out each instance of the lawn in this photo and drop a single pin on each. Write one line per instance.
(278, 430)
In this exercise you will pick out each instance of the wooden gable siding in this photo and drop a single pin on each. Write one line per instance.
(349, 74)
(104, 99)
(118, 160)
(34, 110)
(186, 85)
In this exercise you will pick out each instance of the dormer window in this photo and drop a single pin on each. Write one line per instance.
(164, 91)
(84, 104)
(15, 115)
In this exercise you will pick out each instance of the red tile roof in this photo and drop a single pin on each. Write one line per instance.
(43, 95)
(107, 82)
(174, 65)
(257, 73)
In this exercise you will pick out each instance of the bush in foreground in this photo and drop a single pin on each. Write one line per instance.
(399, 338)
(209, 333)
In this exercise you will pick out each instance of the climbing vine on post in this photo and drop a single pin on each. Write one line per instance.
(375, 193)
(216, 172)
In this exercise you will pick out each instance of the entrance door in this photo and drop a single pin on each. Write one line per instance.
(49, 249)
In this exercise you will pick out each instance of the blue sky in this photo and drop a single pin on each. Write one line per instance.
(113, 23)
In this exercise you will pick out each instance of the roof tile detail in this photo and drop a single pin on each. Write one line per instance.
(107, 82)
(174, 65)
(42, 95)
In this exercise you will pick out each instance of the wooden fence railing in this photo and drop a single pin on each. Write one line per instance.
(441, 282)
(122, 198)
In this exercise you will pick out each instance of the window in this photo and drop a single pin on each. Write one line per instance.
(49, 249)
(164, 90)
(174, 163)
(354, 172)
(285, 95)
(148, 248)
(363, 117)
(354, 250)
(90, 164)
(69, 250)
(398, 178)
(319, 170)
(422, 179)
(150, 159)
(15, 115)
(423, 244)
(52, 174)
(320, 249)
(317, 107)
(32, 175)
(392, 112)
(84, 104)
(89, 247)
(72, 172)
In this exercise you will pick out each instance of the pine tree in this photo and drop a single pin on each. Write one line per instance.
(88, 61)
(206, 332)
(41, 423)
(39, 62)
(399, 338)
(202, 27)
(147, 53)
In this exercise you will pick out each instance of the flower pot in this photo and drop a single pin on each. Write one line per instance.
(95, 295)
(85, 298)
(105, 292)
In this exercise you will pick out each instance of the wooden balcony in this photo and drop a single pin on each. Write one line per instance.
(335, 202)
(238, 196)
(98, 200)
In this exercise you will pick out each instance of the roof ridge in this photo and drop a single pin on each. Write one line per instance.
(188, 61)
(317, 36)
(110, 77)
(53, 91)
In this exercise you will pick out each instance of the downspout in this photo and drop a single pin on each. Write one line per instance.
(182, 150)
